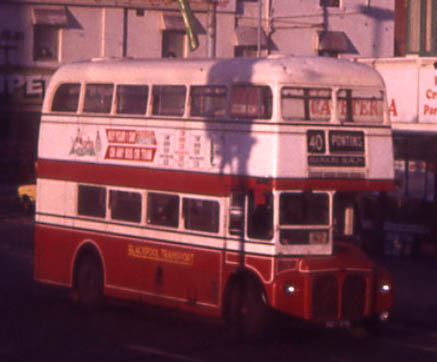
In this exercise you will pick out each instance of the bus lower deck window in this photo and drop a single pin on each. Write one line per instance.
(91, 201)
(163, 209)
(201, 215)
(125, 206)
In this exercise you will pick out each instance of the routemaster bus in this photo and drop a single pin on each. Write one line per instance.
(224, 187)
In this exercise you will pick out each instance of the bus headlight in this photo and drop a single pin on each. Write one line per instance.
(289, 289)
(385, 288)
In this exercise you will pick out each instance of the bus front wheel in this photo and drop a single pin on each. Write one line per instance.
(247, 314)
(88, 289)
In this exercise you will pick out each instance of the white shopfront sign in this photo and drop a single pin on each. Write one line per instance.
(411, 88)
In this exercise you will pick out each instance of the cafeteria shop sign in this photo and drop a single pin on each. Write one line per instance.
(428, 96)
(23, 86)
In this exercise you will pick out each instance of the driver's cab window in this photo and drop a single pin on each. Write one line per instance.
(260, 216)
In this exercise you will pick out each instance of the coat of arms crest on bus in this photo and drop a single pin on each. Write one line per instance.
(83, 145)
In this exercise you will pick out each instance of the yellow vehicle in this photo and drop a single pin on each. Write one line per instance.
(27, 195)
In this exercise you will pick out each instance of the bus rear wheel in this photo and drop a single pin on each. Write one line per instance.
(247, 314)
(88, 289)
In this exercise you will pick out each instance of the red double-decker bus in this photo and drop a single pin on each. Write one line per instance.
(222, 187)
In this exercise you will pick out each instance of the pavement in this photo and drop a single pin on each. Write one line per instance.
(415, 289)
(414, 278)
(9, 202)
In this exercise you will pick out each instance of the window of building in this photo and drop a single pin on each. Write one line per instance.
(306, 104)
(98, 98)
(250, 51)
(45, 42)
(201, 215)
(246, 41)
(66, 98)
(173, 44)
(163, 209)
(421, 27)
(208, 101)
(47, 23)
(169, 100)
(125, 206)
(132, 99)
(330, 3)
(250, 101)
(91, 201)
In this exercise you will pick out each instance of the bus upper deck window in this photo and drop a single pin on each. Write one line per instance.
(208, 101)
(132, 99)
(98, 98)
(169, 100)
(66, 98)
(306, 104)
(249, 101)
(361, 105)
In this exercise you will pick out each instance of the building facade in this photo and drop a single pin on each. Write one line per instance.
(36, 36)
(411, 80)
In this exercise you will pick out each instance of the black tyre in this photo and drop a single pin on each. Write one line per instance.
(247, 313)
(89, 282)
(28, 205)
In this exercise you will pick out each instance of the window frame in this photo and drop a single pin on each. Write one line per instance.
(54, 98)
(97, 211)
(118, 212)
(38, 45)
(105, 106)
(204, 99)
(172, 219)
(313, 231)
(214, 214)
(349, 117)
(330, 3)
(166, 51)
(163, 96)
(306, 98)
(426, 16)
(267, 114)
(117, 98)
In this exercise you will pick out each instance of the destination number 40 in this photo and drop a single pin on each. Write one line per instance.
(316, 141)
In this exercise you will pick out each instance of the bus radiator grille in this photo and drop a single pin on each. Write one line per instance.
(353, 297)
(324, 304)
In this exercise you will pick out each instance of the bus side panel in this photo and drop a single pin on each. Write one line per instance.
(133, 268)
(53, 253)
(162, 270)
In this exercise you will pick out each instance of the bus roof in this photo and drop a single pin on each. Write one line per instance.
(274, 69)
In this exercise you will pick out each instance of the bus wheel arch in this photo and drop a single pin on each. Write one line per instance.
(88, 277)
(246, 309)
